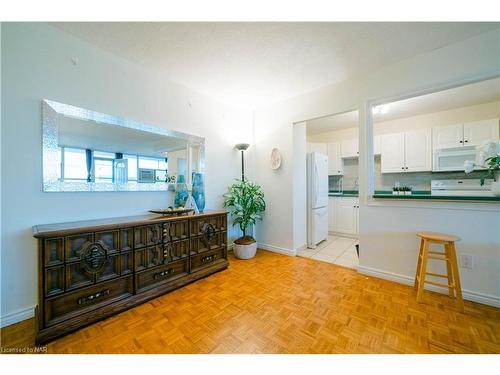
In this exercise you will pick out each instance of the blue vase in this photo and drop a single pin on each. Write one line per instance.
(198, 191)
(181, 194)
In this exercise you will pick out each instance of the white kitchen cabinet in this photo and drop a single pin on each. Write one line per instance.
(406, 152)
(447, 136)
(345, 215)
(331, 214)
(335, 164)
(467, 134)
(317, 147)
(376, 145)
(418, 152)
(350, 148)
(475, 133)
(392, 149)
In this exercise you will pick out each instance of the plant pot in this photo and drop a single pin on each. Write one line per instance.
(495, 187)
(245, 247)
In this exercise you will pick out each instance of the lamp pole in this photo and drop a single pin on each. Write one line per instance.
(242, 147)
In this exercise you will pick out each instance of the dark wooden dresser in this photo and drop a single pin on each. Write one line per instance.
(90, 270)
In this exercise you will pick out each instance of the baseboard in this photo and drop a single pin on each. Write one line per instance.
(469, 295)
(276, 249)
(300, 248)
(17, 316)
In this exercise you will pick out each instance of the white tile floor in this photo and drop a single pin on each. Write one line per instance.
(336, 250)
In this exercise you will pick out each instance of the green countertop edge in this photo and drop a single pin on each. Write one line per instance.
(426, 195)
(345, 193)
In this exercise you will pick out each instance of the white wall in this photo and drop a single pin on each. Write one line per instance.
(299, 186)
(36, 64)
(387, 232)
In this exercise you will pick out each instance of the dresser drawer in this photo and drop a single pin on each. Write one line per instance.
(84, 300)
(151, 278)
(208, 258)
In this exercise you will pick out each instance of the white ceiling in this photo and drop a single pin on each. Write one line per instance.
(477, 93)
(104, 137)
(253, 64)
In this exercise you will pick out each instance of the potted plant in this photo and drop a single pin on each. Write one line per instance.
(489, 153)
(406, 190)
(246, 201)
(395, 190)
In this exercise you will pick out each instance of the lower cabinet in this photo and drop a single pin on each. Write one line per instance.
(343, 215)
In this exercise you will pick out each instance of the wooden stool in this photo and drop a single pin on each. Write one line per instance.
(449, 256)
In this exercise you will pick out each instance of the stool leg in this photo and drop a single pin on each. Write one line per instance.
(423, 267)
(449, 271)
(419, 262)
(456, 276)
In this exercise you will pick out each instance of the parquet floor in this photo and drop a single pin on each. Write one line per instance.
(281, 304)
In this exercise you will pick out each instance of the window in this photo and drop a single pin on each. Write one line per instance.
(152, 163)
(74, 164)
(158, 164)
(103, 170)
(132, 167)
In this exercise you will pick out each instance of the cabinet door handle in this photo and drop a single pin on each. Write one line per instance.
(163, 273)
(466, 141)
(461, 141)
(208, 258)
(92, 297)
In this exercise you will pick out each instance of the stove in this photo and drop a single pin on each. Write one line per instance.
(461, 188)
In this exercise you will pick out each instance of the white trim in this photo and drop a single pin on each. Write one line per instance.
(300, 248)
(276, 249)
(17, 316)
(435, 204)
(469, 295)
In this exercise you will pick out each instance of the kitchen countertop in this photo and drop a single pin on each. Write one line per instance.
(426, 195)
(345, 193)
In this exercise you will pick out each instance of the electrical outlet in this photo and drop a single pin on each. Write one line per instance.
(467, 261)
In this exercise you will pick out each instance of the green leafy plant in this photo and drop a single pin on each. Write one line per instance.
(489, 152)
(246, 201)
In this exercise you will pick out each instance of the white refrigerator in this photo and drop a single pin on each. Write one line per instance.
(317, 198)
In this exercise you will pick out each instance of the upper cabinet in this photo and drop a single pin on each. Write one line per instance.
(317, 147)
(448, 136)
(350, 148)
(376, 145)
(406, 152)
(468, 134)
(335, 164)
(392, 152)
(477, 132)
(418, 153)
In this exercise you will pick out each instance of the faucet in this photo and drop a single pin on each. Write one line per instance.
(340, 186)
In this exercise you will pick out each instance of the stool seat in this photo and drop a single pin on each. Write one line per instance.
(449, 256)
(436, 236)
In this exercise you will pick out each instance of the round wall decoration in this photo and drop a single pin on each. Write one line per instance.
(275, 158)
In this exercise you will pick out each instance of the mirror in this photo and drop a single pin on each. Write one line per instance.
(85, 150)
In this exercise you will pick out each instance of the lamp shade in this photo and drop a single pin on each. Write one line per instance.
(242, 146)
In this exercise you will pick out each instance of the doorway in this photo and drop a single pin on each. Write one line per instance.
(336, 138)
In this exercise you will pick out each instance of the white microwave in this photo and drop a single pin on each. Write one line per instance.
(453, 159)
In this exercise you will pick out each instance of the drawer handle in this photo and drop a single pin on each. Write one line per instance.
(163, 273)
(208, 258)
(93, 297)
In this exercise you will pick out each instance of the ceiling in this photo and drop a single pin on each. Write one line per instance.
(473, 94)
(254, 64)
(104, 137)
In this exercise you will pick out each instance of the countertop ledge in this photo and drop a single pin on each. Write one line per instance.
(428, 196)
